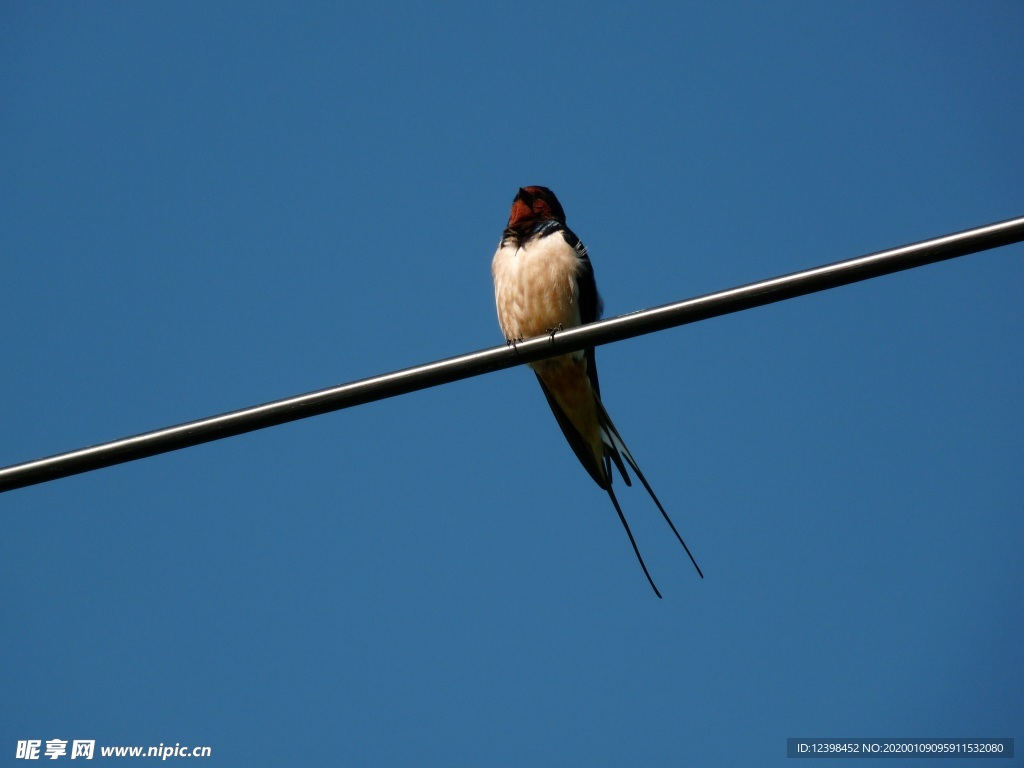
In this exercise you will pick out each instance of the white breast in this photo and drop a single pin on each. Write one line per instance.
(535, 286)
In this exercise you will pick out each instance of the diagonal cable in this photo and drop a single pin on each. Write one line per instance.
(496, 358)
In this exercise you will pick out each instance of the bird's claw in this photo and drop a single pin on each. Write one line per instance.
(552, 331)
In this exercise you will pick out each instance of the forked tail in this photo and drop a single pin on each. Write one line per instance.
(622, 517)
(616, 450)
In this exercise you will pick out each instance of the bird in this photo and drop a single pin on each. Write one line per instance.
(544, 283)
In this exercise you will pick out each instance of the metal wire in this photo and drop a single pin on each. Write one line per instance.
(487, 360)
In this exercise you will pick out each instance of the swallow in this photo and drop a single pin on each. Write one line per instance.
(544, 283)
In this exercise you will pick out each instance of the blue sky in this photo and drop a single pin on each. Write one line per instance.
(207, 206)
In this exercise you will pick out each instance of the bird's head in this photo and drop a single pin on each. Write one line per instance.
(533, 204)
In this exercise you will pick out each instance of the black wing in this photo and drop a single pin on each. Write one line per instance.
(576, 442)
(589, 300)
(590, 310)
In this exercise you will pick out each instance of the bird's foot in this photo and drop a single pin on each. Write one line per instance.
(552, 331)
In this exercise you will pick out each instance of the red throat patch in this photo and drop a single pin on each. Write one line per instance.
(521, 212)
